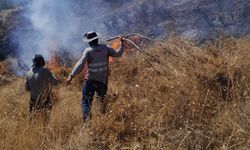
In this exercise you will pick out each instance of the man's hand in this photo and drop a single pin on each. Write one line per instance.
(122, 39)
(69, 80)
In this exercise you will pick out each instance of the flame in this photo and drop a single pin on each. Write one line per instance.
(114, 45)
(54, 61)
(129, 48)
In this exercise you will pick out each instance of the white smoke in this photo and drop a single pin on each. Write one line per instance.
(56, 24)
(50, 25)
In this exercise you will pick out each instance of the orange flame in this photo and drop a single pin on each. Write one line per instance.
(54, 61)
(129, 48)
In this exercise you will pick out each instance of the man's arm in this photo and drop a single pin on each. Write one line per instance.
(79, 66)
(119, 52)
(52, 79)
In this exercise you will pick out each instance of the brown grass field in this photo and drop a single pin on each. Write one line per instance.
(177, 96)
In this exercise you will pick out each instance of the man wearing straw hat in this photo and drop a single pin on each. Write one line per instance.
(96, 58)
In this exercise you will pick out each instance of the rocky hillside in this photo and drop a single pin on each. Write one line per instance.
(199, 20)
(195, 19)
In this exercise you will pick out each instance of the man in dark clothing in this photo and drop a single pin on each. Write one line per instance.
(97, 58)
(39, 82)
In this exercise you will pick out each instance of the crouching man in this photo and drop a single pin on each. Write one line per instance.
(39, 82)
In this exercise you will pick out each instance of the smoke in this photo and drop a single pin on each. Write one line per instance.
(53, 25)
(58, 24)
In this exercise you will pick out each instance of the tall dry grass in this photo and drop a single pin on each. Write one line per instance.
(180, 96)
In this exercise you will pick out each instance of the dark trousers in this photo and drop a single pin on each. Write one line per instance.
(89, 89)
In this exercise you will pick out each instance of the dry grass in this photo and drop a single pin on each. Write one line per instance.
(187, 97)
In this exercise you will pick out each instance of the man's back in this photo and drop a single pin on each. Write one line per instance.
(38, 79)
(97, 61)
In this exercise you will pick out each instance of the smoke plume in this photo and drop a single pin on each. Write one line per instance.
(53, 25)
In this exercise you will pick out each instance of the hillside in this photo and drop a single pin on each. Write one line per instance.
(36, 26)
(200, 20)
(177, 96)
